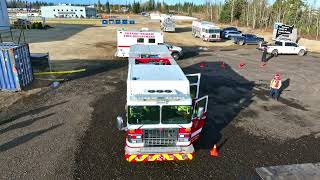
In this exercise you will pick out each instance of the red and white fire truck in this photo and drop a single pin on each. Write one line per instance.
(164, 113)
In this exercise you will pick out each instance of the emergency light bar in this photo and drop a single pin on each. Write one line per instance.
(160, 61)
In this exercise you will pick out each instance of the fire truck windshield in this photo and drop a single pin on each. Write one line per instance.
(151, 114)
(176, 114)
(214, 31)
(144, 114)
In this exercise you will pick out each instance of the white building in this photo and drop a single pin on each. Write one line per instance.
(68, 11)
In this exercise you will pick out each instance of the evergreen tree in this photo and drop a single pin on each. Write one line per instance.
(107, 7)
(136, 7)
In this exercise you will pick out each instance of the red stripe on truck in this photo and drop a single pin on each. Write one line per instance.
(123, 46)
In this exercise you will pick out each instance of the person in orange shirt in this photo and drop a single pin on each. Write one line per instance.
(275, 86)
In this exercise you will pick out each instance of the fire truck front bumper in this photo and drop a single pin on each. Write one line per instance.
(214, 39)
(151, 154)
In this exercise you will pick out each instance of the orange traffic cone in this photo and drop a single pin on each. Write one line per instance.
(214, 151)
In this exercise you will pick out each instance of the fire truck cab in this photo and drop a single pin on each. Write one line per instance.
(164, 114)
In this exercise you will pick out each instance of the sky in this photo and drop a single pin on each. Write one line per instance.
(167, 1)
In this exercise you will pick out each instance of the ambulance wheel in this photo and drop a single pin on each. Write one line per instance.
(175, 56)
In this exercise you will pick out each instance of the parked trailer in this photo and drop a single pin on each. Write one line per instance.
(125, 39)
(15, 66)
(167, 24)
(164, 116)
(207, 31)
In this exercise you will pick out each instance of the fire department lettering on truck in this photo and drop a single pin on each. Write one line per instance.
(125, 39)
(138, 35)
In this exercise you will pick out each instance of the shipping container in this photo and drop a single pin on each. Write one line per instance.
(15, 66)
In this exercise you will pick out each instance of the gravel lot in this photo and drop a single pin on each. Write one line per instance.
(251, 130)
(68, 132)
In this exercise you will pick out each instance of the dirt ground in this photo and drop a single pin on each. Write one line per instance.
(68, 132)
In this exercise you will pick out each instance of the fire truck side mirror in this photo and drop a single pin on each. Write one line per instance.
(200, 112)
(119, 123)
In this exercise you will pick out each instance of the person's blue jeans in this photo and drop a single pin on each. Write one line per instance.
(274, 93)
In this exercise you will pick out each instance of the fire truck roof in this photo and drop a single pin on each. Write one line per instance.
(151, 82)
(156, 73)
(148, 49)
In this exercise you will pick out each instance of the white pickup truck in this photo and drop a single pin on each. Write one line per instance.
(176, 52)
(286, 47)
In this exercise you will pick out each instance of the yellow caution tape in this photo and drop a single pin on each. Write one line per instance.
(60, 72)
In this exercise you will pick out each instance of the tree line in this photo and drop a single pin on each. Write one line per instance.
(26, 4)
(249, 13)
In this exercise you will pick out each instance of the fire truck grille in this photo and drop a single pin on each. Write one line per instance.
(160, 137)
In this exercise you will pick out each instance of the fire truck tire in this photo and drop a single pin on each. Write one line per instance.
(175, 55)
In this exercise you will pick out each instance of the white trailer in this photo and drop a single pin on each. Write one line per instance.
(125, 39)
(164, 117)
(207, 31)
(167, 24)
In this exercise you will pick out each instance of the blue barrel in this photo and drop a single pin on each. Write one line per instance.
(132, 21)
(15, 66)
(104, 22)
(118, 21)
(124, 21)
(111, 21)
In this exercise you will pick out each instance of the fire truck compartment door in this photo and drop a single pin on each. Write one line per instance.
(194, 80)
(199, 116)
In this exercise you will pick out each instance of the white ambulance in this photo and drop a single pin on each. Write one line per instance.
(125, 39)
(207, 31)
